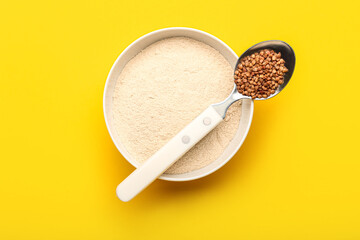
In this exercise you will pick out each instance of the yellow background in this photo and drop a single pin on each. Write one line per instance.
(297, 175)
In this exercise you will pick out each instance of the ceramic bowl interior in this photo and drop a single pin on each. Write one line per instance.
(148, 39)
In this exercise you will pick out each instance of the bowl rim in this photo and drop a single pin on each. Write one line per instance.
(119, 58)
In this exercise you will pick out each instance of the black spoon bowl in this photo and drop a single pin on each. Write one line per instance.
(287, 53)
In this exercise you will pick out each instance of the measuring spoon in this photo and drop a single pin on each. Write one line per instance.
(198, 128)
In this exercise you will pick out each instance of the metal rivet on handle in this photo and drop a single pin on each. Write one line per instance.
(185, 139)
(207, 121)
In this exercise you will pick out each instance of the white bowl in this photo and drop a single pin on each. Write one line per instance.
(148, 39)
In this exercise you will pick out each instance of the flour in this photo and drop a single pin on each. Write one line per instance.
(162, 89)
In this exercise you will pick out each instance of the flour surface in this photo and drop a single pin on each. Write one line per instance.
(164, 88)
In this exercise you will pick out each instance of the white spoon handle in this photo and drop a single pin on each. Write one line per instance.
(168, 154)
